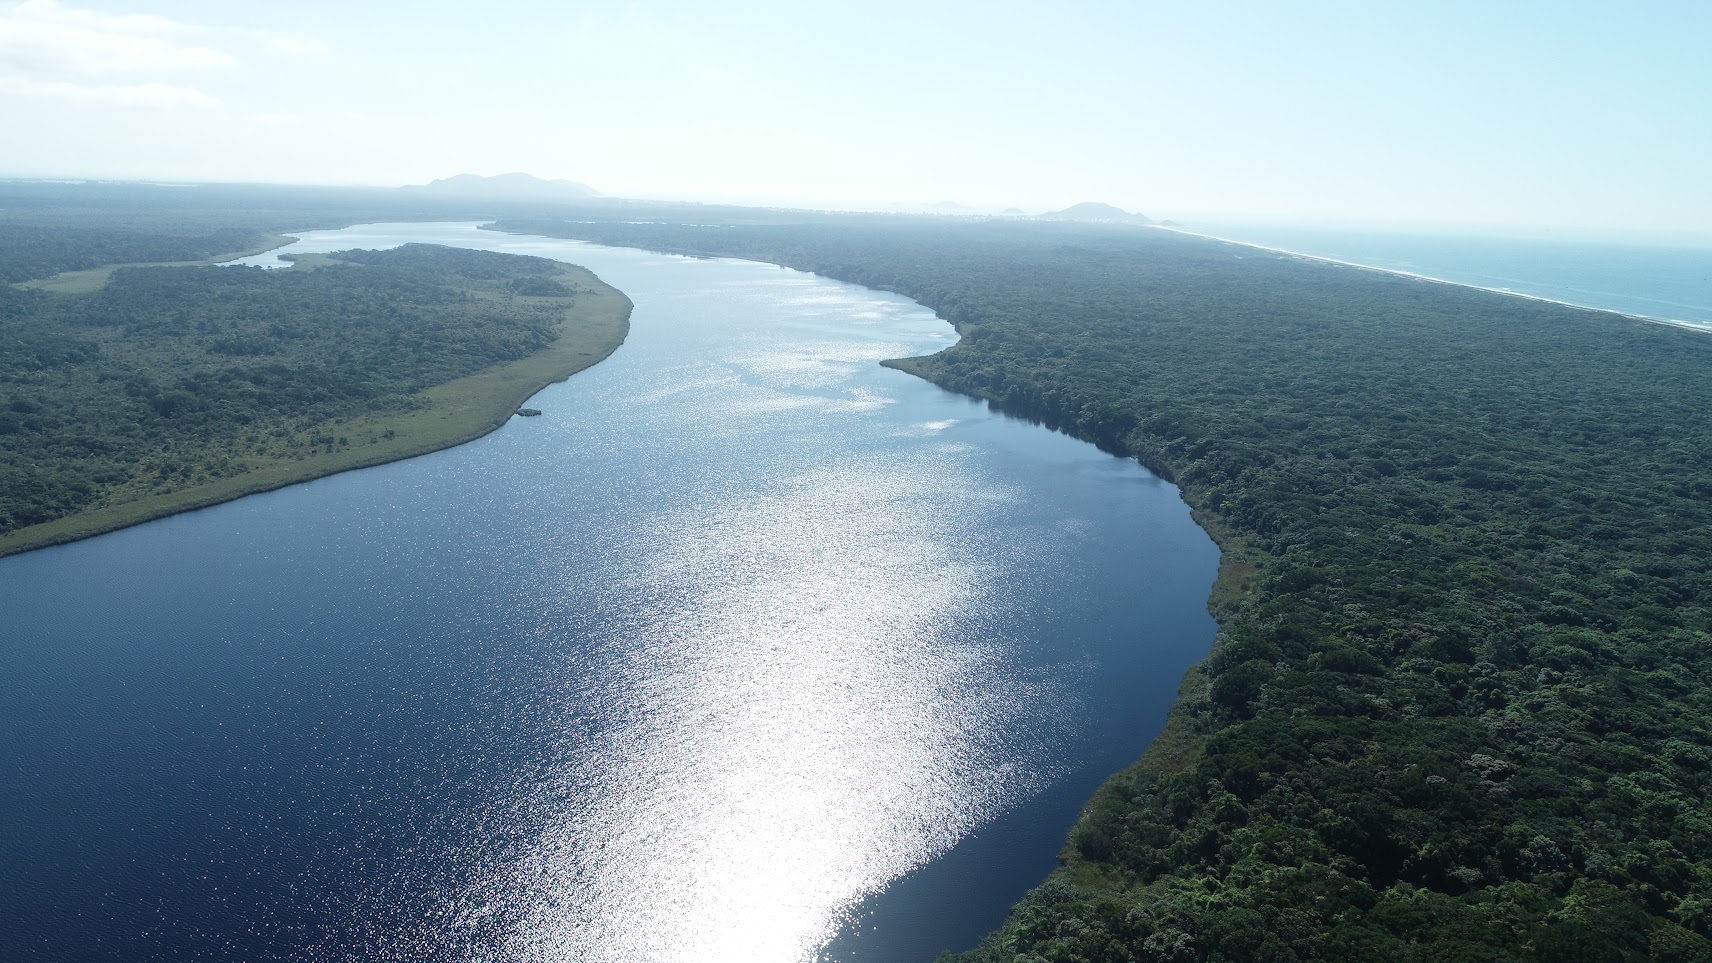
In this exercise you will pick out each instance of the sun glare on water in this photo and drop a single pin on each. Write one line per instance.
(802, 693)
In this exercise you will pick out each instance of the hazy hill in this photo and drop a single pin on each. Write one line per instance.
(515, 187)
(1093, 211)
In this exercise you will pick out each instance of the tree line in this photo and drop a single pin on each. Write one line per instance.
(1463, 712)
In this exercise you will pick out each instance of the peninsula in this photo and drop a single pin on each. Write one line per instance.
(135, 393)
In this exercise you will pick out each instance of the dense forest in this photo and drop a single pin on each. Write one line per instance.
(172, 379)
(129, 381)
(50, 227)
(1459, 708)
(47, 228)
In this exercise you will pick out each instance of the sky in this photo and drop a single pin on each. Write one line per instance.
(1510, 113)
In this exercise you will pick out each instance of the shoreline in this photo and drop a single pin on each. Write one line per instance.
(1703, 327)
(1187, 732)
(459, 412)
(1181, 739)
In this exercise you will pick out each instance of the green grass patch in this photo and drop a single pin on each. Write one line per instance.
(94, 279)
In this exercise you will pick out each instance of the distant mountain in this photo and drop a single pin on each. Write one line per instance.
(1013, 210)
(951, 206)
(1092, 211)
(510, 187)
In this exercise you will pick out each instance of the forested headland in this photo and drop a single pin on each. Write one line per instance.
(156, 389)
(1460, 707)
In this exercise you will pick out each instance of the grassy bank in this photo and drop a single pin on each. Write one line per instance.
(224, 450)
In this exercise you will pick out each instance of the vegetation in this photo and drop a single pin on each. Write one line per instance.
(1459, 707)
(168, 388)
(49, 228)
(81, 456)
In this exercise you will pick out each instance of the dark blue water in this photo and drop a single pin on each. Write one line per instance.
(747, 648)
(1648, 280)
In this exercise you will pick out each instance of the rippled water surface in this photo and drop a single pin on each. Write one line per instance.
(748, 649)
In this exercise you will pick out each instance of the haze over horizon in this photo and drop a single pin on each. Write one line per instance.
(1525, 115)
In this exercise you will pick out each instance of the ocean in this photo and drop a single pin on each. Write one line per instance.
(1664, 283)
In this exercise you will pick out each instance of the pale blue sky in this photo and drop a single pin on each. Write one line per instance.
(1583, 115)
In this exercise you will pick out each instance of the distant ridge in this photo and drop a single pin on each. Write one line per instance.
(515, 187)
(1094, 211)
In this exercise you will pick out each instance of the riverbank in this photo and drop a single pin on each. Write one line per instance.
(450, 414)
(1184, 737)
(739, 583)
(1473, 613)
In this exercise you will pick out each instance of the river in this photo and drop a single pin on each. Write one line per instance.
(747, 648)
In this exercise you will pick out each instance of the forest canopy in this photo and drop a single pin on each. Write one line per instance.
(1459, 704)
(174, 379)
(1463, 711)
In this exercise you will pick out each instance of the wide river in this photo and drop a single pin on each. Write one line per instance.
(747, 649)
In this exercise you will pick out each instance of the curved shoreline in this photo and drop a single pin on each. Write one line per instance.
(1398, 272)
(459, 412)
(1185, 736)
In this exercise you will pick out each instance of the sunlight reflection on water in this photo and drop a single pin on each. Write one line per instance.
(820, 713)
(804, 692)
(780, 614)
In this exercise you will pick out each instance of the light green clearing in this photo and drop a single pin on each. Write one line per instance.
(94, 279)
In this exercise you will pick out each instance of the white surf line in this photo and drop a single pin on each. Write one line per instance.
(1690, 325)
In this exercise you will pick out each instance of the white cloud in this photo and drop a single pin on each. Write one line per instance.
(718, 77)
(52, 51)
(49, 11)
(294, 45)
(40, 39)
(114, 95)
